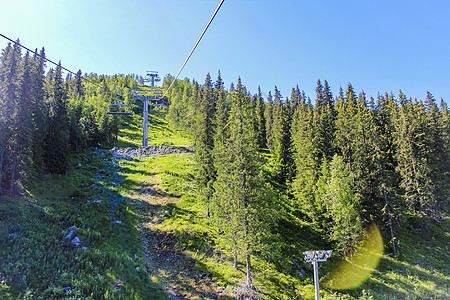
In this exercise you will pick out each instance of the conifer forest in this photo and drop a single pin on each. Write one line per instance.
(264, 178)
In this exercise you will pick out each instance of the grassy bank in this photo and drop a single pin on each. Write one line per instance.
(73, 237)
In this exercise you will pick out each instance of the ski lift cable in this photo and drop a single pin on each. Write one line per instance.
(195, 46)
(50, 61)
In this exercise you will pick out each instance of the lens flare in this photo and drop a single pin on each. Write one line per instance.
(348, 275)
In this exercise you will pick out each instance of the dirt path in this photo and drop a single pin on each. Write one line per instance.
(166, 263)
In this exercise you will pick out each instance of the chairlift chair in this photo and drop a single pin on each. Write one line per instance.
(119, 108)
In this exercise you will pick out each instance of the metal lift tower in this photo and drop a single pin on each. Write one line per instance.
(153, 95)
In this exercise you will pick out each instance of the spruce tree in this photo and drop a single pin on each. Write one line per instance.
(39, 111)
(260, 121)
(281, 156)
(238, 192)
(268, 116)
(383, 147)
(4, 112)
(23, 127)
(57, 138)
(342, 207)
(11, 81)
(444, 124)
(412, 166)
(204, 144)
(304, 183)
(435, 153)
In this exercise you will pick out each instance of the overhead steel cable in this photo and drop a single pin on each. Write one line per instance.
(50, 61)
(81, 77)
(195, 46)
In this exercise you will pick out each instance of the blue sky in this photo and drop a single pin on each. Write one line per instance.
(378, 46)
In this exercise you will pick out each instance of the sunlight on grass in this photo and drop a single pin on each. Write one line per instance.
(365, 259)
(159, 132)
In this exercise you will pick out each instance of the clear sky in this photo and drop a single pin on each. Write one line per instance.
(378, 46)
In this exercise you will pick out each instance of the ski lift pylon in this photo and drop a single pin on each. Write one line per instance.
(119, 108)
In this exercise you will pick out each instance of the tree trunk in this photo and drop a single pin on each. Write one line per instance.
(2, 154)
(235, 254)
(249, 270)
(247, 254)
(351, 255)
(387, 209)
(424, 218)
(13, 174)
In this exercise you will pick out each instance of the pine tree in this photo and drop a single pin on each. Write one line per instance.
(4, 104)
(57, 139)
(281, 156)
(220, 119)
(327, 118)
(364, 166)
(237, 189)
(381, 129)
(39, 111)
(204, 144)
(23, 127)
(268, 116)
(444, 124)
(342, 207)
(435, 153)
(260, 123)
(346, 110)
(304, 183)
(10, 85)
(414, 170)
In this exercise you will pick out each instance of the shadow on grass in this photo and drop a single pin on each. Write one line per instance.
(167, 253)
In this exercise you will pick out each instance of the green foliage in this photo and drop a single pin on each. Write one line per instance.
(342, 206)
(204, 144)
(41, 260)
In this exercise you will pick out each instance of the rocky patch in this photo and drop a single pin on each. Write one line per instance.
(142, 152)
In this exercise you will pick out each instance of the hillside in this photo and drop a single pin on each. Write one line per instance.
(116, 227)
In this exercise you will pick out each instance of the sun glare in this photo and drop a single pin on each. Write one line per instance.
(349, 275)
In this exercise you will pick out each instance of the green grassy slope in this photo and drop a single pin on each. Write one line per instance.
(104, 199)
(159, 133)
(73, 237)
(421, 270)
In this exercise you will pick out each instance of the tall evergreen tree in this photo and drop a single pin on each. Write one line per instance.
(444, 124)
(381, 130)
(342, 207)
(415, 172)
(281, 156)
(39, 111)
(11, 83)
(237, 188)
(57, 139)
(260, 121)
(22, 125)
(204, 144)
(304, 183)
(221, 111)
(324, 121)
(268, 115)
(4, 104)
(435, 154)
